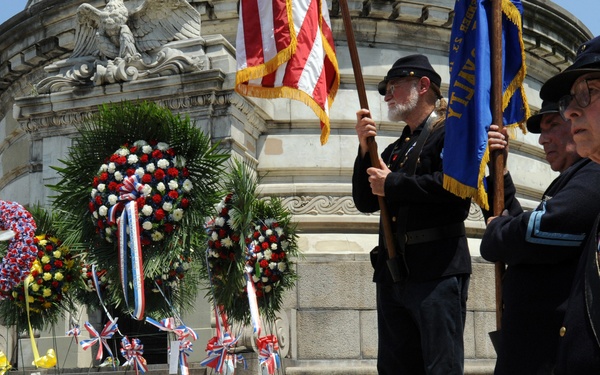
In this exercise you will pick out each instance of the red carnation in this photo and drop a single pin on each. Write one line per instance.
(159, 174)
(168, 227)
(91, 207)
(39, 281)
(141, 201)
(173, 194)
(157, 154)
(98, 200)
(130, 172)
(47, 267)
(146, 178)
(55, 284)
(186, 172)
(49, 247)
(159, 214)
(264, 263)
(173, 172)
(133, 149)
(113, 186)
(121, 160)
(58, 263)
(103, 176)
(185, 203)
(264, 245)
(114, 158)
(156, 198)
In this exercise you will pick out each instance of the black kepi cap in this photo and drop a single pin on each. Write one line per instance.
(410, 66)
(534, 122)
(586, 61)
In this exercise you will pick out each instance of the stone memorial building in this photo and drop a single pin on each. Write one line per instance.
(49, 84)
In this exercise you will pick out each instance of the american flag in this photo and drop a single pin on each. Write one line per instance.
(285, 49)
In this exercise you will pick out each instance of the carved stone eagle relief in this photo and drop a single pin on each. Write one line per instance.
(115, 44)
(116, 32)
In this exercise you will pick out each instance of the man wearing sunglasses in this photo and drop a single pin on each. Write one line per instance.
(577, 90)
(422, 292)
(541, 247)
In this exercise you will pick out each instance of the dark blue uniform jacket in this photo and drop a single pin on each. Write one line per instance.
(427, 203)
(541, 248)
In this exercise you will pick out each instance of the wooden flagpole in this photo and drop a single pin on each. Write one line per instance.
(373, 153)
(497, 156)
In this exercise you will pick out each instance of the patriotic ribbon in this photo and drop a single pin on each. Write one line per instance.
(182, 332)
(267, 353)
(132, 351)
(185, 348)
(254, 314)
(75, 332)
(217, 350)
(129, 219)
(100, 338)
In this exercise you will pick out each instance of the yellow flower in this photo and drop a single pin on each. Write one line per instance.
(57, 254)
(47, 305)
(15, 294)
(47, 276)
(45, 259)
(47, 292)
(36, 266)
(58, 276)
(43, 243)
(30, 299)
(35, 287)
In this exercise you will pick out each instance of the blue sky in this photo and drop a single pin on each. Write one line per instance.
(586, 10)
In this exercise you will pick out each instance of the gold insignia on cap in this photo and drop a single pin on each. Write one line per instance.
(411, 74)
(583, 47)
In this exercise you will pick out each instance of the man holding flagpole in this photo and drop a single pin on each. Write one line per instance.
(540, 247)
(421, 311)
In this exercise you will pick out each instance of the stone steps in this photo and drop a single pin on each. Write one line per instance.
(338, 367)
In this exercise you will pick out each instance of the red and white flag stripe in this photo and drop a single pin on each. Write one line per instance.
(285, 49)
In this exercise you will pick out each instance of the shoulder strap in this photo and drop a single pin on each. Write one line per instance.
(411, 162)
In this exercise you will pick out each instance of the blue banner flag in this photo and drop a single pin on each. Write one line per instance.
(469, 96)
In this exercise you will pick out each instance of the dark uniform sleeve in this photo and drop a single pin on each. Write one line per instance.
(554, 231)
(511, 203)
(364, 199)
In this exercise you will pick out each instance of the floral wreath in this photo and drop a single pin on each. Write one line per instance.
(163, 174)
(21, 252)
(264, 252)
(53, 276)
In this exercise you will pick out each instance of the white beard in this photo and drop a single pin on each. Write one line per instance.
(399, 111)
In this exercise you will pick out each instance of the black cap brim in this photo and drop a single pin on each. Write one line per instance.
(560, 85)
(534, 122)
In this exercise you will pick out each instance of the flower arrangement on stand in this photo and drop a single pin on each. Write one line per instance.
(248, 266)
(143, 203)
(46, 293)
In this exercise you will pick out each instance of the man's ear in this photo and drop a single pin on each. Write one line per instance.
(424, 85)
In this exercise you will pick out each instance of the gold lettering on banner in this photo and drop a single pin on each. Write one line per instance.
(463, 88)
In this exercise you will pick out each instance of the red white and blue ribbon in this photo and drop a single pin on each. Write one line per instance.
(100, 338)
(75, 332)
(129, 219)
(252, 302)
(219, 346)
(182, 332)
(132, 351)
(268, 356)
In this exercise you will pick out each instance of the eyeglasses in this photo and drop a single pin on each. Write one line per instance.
(390, 90)
(582, 96)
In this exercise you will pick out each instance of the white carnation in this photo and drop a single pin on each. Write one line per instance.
(177, 214)
(102, 210)
(167, 206)
(147, 149)
(281, 266)
(118, 176)
(112, 199)
(140, 172)
(147, 225)
(187, 186)
(101, 187)
(162, 164)
(147, 210)
(150, 167)
(162, 146)
(132, 159)
(161, 187)
(173, 185)
(103, 168)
